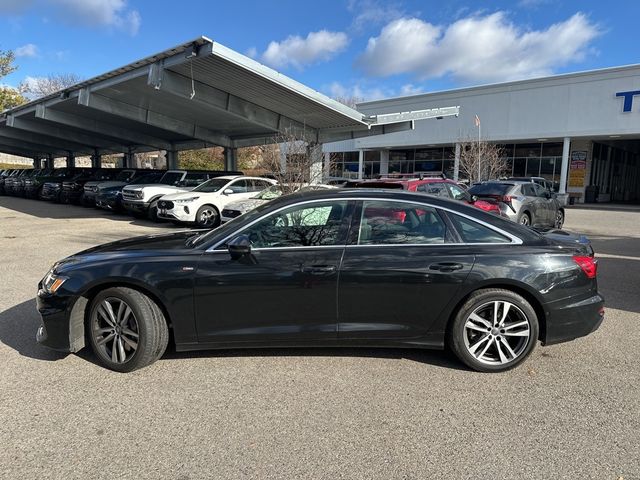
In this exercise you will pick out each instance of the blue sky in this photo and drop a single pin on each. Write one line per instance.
(364, 48)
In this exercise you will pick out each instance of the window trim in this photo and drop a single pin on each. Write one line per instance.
(514, 239)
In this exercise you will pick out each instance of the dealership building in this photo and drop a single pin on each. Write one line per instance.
(580, 130)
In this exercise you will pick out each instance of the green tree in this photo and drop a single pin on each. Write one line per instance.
(9, 97)
(202, 159)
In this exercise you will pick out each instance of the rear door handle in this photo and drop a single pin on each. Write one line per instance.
(446, 266)
(319, 269)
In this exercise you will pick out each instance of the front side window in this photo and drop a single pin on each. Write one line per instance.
(393, 223)
(474, 232)
(171, 178)
(307, 225)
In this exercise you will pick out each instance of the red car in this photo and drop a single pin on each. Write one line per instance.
(438, 186)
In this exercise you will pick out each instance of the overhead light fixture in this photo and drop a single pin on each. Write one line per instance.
(615, 136)
(543, 139)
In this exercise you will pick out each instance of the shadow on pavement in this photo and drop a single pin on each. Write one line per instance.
(18, 327)
(42, 209)
(438, 358)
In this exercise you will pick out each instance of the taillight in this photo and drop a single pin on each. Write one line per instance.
(589, 265)
(506, 198)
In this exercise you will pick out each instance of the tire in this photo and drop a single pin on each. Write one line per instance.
(525, 219)
(559, 220)
(139, 335)
(484, 346)
(152, 213)
(207, 216)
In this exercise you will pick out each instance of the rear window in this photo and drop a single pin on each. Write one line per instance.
(490, 189)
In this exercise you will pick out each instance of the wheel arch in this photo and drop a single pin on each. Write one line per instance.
(90, 293)
(530, 296)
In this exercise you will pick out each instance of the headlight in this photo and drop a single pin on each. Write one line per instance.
(139, 195)
(186, 200)
(52, 282)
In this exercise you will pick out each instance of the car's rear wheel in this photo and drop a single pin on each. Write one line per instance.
(525, 219)
(494, 330)
(207, 216)
(559, 221)
(127, 330)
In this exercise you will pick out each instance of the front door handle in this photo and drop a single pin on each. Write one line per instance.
(446, 266)
(319, 269)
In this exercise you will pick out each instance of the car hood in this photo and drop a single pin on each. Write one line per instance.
(137, 246)
(158, 185)
(182, 193)
(105, 183)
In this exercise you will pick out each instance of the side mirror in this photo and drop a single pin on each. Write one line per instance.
(228, 191)
(239, 247)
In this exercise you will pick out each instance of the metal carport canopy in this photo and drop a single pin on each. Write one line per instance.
(196, 95)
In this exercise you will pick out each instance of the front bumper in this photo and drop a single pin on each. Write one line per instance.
(135, 207)
(569, 319)
(62, 325)
(71, 196)
(178, 213)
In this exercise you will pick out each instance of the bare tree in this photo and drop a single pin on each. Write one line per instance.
(43, 86)
(293, 161)
(481, 160)
(349, 101)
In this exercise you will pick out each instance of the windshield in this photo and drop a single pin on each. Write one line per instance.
(270, 193)
(210, 186)
(148, 178)
(171, 178)
(124, 176)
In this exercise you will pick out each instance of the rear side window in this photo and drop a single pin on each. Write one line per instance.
(528, 190)
(396, 223)
(436, 188)
(474, 232)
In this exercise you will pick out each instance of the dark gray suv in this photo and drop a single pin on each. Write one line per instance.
(524, 202)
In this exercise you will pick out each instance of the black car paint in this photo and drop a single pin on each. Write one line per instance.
(374, 296)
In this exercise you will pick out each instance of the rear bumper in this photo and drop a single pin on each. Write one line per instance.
(570, 319)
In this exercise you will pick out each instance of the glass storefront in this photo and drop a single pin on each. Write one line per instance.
(523, 159)
(615, 171)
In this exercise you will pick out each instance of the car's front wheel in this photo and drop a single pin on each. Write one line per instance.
(207, 216)
(126, 329)
(494, 330)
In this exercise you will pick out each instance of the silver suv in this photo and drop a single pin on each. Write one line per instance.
(524, 202)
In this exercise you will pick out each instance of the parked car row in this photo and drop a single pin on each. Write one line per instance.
(208, 198)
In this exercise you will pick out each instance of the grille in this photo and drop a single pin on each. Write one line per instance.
(230, 213)
(128, 195)
(165, 204)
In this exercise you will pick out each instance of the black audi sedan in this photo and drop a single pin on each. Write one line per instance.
(358, 267)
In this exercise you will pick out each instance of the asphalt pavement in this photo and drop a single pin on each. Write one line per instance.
(571, 411)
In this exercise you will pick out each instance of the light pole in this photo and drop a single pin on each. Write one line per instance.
(478, 125)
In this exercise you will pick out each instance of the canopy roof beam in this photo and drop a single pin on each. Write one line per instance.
(83, 141)
(100, 128)
(32, 147)
(55, 144)
(105, 104)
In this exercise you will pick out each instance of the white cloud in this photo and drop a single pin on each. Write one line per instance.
(14, 6)
(357, 91)
(477, 48)
(28, 50)
(411, 89)
(298, 52)
(102, 13)
(371, 13)
(252, 52)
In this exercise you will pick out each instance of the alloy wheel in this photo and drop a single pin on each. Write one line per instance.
(207, 217)
(524, 220)
(497, 333)
(115, 330)
(559, 219)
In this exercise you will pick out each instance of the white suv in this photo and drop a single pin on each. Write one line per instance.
(203, 204)
(143, 199)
